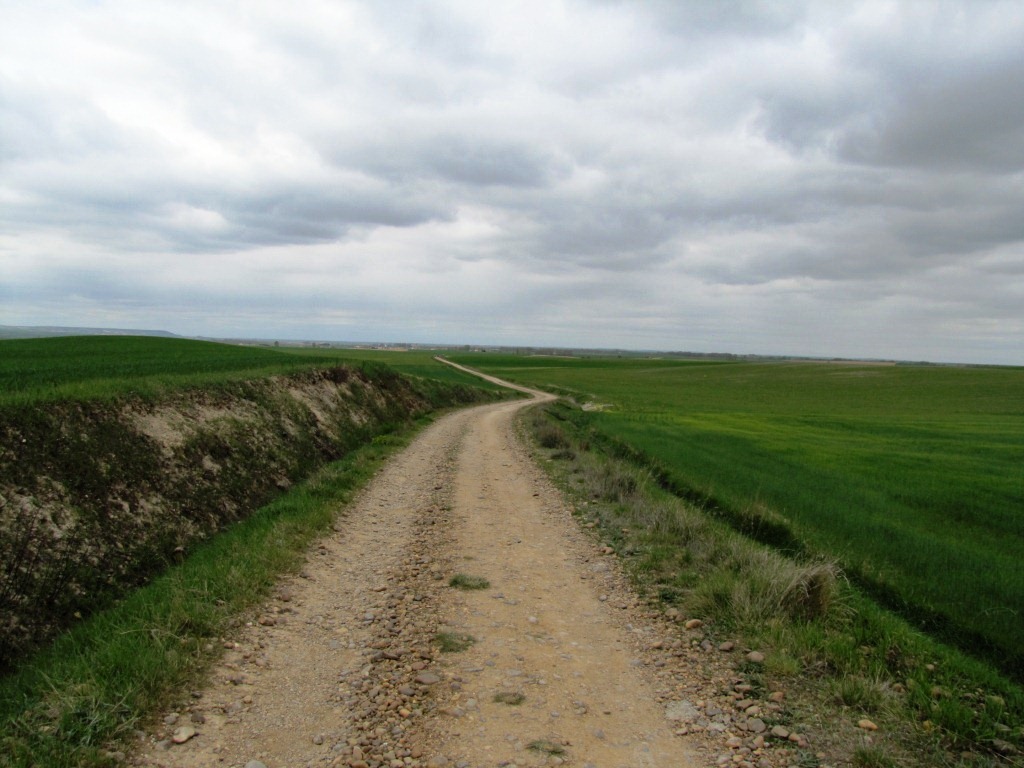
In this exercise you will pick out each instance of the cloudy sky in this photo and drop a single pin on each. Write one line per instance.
(778, 177)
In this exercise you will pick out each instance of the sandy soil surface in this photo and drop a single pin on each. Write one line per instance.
(565, 665)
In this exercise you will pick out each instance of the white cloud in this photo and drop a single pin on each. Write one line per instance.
(740, 176)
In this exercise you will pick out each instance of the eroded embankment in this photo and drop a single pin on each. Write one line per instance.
(96, 496)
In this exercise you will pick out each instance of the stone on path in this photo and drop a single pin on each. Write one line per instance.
(681, 711)
(756, 725)
(183, 734)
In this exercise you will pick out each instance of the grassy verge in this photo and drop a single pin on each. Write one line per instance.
(79, 702)
(840, 656)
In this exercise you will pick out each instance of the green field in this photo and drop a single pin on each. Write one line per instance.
(89, 367)
(911, 476)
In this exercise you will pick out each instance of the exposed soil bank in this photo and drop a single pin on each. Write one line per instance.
(96, 496)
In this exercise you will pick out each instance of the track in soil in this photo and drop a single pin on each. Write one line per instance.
(343, 666)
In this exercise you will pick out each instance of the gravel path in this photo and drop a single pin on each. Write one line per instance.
(564, 665)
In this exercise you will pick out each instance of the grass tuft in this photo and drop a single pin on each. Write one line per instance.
(552, 437)
(758, 585)
(862, 694)
(453, 642)
(546, 746)
(465, 581)
(872, 757)
(511, 698)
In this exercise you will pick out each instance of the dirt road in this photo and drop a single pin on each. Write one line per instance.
(343, 666)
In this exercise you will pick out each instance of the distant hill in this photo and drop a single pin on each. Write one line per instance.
(43, 331)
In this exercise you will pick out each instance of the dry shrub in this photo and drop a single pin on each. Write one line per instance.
(551, 436)
(813, 591)
(675, 522)
(615, 481)
(753, 585)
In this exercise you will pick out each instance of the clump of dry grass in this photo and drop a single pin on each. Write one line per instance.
(551, 436)
(465, 581)
(511, 698)
(453, 642)
(760, 585)
(547, 746)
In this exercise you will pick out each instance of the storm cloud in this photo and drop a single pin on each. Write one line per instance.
(763, 177)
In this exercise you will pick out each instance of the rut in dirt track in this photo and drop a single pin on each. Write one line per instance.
(342, 667)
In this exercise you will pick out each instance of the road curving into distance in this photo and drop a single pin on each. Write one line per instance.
(343, 667)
